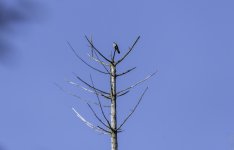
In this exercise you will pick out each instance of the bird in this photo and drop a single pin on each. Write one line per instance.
(115, 46)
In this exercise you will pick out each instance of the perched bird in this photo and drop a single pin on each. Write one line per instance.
(116, 47)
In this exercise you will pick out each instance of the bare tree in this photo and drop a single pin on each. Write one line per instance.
(109, 124)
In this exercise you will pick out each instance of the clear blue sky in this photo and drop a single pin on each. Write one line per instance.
(189, 105)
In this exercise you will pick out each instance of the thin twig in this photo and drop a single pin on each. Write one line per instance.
(88, 90)
(85, 61)
(133, 109)
(118, 95)
(97, 50)
(100, 105)
(94, 52)
(101, 61)
(126, 72)
(95, 114)
(98, 129)
(107, 97)
(104, 129)
(72, 94)
(97, 60)
(101, 91)
(130, 49)
(139, 82)
(84, 88)
(91, 39)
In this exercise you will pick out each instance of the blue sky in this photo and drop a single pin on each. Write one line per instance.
(189, 105)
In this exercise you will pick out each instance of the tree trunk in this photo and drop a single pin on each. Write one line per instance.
(114, 138)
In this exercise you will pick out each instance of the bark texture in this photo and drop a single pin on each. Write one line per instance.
(114, 137)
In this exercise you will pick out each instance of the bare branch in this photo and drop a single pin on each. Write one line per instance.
(91, 44)
(97, 60)
(94, 52)
(101, 91)
(87, 102)
(107, 97)
(133, 109)
(139, 82)
(98, 129)
(88, 90)
(100, 105)
(104, 129)
(95, 114)
(85, 61)
(102, 61)
(126, 72)
(72, 94)
(118, 95)
(91, 40)
(130, 49)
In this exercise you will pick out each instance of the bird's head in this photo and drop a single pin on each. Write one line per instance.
(114, 44)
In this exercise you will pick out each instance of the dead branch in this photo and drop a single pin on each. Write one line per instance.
(97, 60)
(88, 90)
(101, 91)
(91, 40)
(139, 82)
(130, 49)
(126, 72)
(91, 44)
(119, 95)
(98, 129)
(72, 94)
(77, 55)
(104, 129)
(133, 109)
(94, 52)
(95, 114)
(76, 96)
(102, 64)
(100, 105)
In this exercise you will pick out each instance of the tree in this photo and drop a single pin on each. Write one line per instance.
(109, 125)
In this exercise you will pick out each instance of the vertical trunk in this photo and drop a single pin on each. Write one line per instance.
(114, 138)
